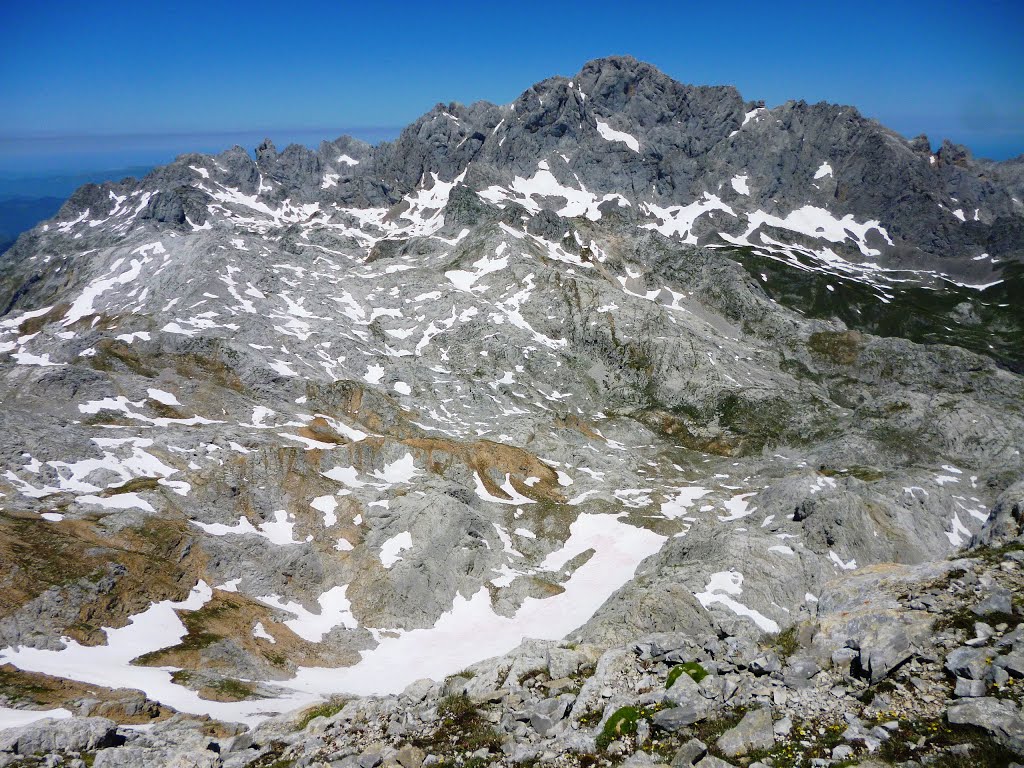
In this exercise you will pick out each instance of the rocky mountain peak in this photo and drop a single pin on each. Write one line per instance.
(623, 359)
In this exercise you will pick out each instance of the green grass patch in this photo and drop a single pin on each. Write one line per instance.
(623, 722)
(691, 668)
(591, 717)
(965, 619)
(784, 643)
(16, 685)
(867, 474)
(327, 709)
(234, 690)
(939, 736)
(462, 728)
(710, 730)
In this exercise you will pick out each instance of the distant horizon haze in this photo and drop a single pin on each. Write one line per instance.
(145, 84)
(44, 154)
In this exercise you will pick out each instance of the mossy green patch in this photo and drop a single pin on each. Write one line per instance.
(867, 474)
(838, 347)
(16, 686)
(988, 322)
(691, 668)
(462, 728)
(623, 722)
(232, 690)
(785, 643)
(938, 735)
(327, 709)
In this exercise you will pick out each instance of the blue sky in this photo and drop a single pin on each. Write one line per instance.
(174, 75)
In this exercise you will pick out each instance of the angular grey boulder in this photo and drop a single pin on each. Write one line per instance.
(755, 731)
(689, 753)
(546, 714)
(710, 761)
(77, 734)
(970, 663)
(680, 716)
(1000, 717)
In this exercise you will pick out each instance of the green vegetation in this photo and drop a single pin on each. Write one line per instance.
(16, 685)
(43, 557)
(277, 659)
(710, 730)
(623, 722)
(691, 668)
(940, 735)
(226, 689)
(113, 355)
(234, 690)
(838, 347)
(965, 619)
(165, 411)
(867, 474)
(327, 709)
(997, 554)
(273, 757)
(784, 643)
(591, 717)
(198, 636)
(993, 325)
(759, 422)
(462, 728)
(466, 674)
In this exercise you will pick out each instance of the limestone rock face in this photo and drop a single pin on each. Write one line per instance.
(78, 734)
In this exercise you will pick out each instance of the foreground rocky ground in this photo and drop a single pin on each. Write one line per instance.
(898, 665)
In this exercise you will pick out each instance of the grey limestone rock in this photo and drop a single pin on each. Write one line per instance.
(692, 751)
(710, 761)
(754, 732)
(971, 663)
(75, 734)
(1000, 717)
(684, 713)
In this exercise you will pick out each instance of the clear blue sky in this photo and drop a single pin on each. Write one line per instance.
(298, 70)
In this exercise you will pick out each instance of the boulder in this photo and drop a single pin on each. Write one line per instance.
(998, 600)
(1000, 717)
(970, 663)
(710, 761)
(689, 753)
(755, 731)
(76, 734)
(966, 688)
(545, 714)
(679, 717)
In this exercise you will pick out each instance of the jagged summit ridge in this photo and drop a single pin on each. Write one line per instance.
(799, 168)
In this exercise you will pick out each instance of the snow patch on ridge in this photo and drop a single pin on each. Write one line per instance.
(721, 588)
(610, 134)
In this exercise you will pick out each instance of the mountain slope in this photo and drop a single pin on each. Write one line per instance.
(597, 363)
